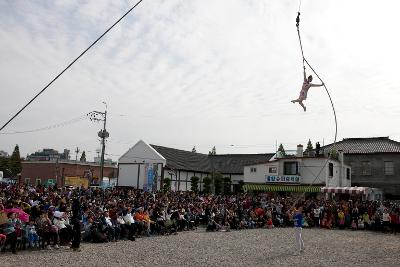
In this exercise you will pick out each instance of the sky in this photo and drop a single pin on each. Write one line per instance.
(197, 73)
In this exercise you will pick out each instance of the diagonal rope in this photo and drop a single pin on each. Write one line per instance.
(69, 65)
(333, 108)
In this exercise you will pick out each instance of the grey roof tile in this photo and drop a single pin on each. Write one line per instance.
(226, 163)
(366, 145)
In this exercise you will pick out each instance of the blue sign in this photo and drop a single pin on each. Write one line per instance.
(282, 179)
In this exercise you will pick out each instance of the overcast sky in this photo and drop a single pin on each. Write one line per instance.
(183, 73)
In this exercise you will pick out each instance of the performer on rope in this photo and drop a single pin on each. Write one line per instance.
(298, 226)
(304, 89)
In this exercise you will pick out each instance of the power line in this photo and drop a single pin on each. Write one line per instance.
(70, 64)
(50, 127)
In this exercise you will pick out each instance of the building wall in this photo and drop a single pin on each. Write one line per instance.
(44, 170)
(180, 180)
(390, 184)
(308, 168)
(135, 174)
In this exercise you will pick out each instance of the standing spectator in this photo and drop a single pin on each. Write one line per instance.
(385, 220)
(10, 230)
(33, 237)
(76, 227)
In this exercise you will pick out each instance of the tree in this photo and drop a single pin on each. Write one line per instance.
(213, 151)
(14, 163)
(282, 150)
(83, 157)
(334, 154)
(309, 146)
(194, 184)
(207, 185)
(4, 167)
(194, 149)
(226, 184)
(167, 185)
(218, 180)
(240, 186)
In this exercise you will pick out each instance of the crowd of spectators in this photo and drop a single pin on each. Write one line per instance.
(118, 214)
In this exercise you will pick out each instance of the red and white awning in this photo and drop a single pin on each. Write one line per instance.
(346, 190)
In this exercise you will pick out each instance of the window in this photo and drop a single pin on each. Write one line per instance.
(330, 167)
(28, 180)
(365, 168)
(253, 169)
(272, 170)
(389, 168)
(353, 168)
(38, 181)
(291, 168)
(348, 173)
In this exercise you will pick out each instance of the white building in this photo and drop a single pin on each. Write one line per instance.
(179, 166)
(3, 154)
(297, 172)
(138, 163)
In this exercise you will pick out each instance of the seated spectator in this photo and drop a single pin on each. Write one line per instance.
(3, 239)
(353, 225)
(130, 224)
(366, 220)
(107, 227)
(139, 221)
(360, 224)
(341, 219)
(63, 232)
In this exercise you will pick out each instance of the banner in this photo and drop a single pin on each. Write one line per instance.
(282, 179)
(150, 175)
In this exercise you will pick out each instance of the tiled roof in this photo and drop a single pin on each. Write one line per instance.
(189, 161)
(184, 160)
(366, 145)
(234, 163)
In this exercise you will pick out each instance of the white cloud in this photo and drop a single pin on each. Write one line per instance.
(197, 72)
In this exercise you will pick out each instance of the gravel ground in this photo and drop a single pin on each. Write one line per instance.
(261, 247)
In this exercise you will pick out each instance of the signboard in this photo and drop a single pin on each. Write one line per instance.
(282, 179)
(76, 181)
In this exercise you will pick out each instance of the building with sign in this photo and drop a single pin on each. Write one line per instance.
(297, 173)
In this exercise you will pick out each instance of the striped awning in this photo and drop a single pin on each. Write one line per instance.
(282, 188)
(346, 190)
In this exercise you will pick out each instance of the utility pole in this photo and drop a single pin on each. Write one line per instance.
(103, 134)
(76, 160)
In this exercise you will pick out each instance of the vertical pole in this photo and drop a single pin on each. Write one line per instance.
(76, 161)
(103, 147)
